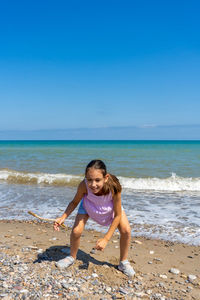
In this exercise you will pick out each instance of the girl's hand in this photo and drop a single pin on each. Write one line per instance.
(58, 222)
(101, 244)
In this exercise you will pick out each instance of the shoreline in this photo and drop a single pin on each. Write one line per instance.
(36, 246)
(135, 229)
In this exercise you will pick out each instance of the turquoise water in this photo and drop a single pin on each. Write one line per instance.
(160, 179)
(123, 158)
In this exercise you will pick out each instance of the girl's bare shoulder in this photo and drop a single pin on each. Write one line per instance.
(117, 196)
(82, 187)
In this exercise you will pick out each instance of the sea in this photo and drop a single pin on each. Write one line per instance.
(160, 181)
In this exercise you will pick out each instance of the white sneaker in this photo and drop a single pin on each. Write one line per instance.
(65, 262)
(126, 268)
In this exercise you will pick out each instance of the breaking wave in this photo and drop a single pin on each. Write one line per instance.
(172, 183)
(18, 177)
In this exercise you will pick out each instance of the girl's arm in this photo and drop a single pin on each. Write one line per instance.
(81, 190)
(101, 243)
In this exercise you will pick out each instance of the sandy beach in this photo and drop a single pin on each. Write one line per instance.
(29, 250)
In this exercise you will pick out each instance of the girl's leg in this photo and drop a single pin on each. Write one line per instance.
(125, 236)
(77, 230)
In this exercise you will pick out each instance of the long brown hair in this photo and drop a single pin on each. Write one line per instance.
(112, 184)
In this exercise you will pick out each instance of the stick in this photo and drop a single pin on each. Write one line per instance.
(45, 219)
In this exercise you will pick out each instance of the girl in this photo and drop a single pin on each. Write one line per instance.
(99, 195)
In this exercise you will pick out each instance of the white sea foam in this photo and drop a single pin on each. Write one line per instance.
(173, 183)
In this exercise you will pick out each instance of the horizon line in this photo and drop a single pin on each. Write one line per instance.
(145, 126)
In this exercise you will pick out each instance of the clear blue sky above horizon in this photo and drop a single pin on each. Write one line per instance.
(88, 64)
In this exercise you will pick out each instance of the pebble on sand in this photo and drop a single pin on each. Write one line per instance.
(174, 271)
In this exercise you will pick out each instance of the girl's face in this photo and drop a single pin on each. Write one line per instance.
(96, 180)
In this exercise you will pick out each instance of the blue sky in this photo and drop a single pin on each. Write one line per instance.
(100, 64)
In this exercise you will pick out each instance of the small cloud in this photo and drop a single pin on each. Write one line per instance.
(148, 126)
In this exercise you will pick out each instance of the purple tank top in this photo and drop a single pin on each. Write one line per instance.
(99, 208)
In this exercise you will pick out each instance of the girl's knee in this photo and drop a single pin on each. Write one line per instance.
(76, 232)
(124, 226)
(79, 225)
(125, 231)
